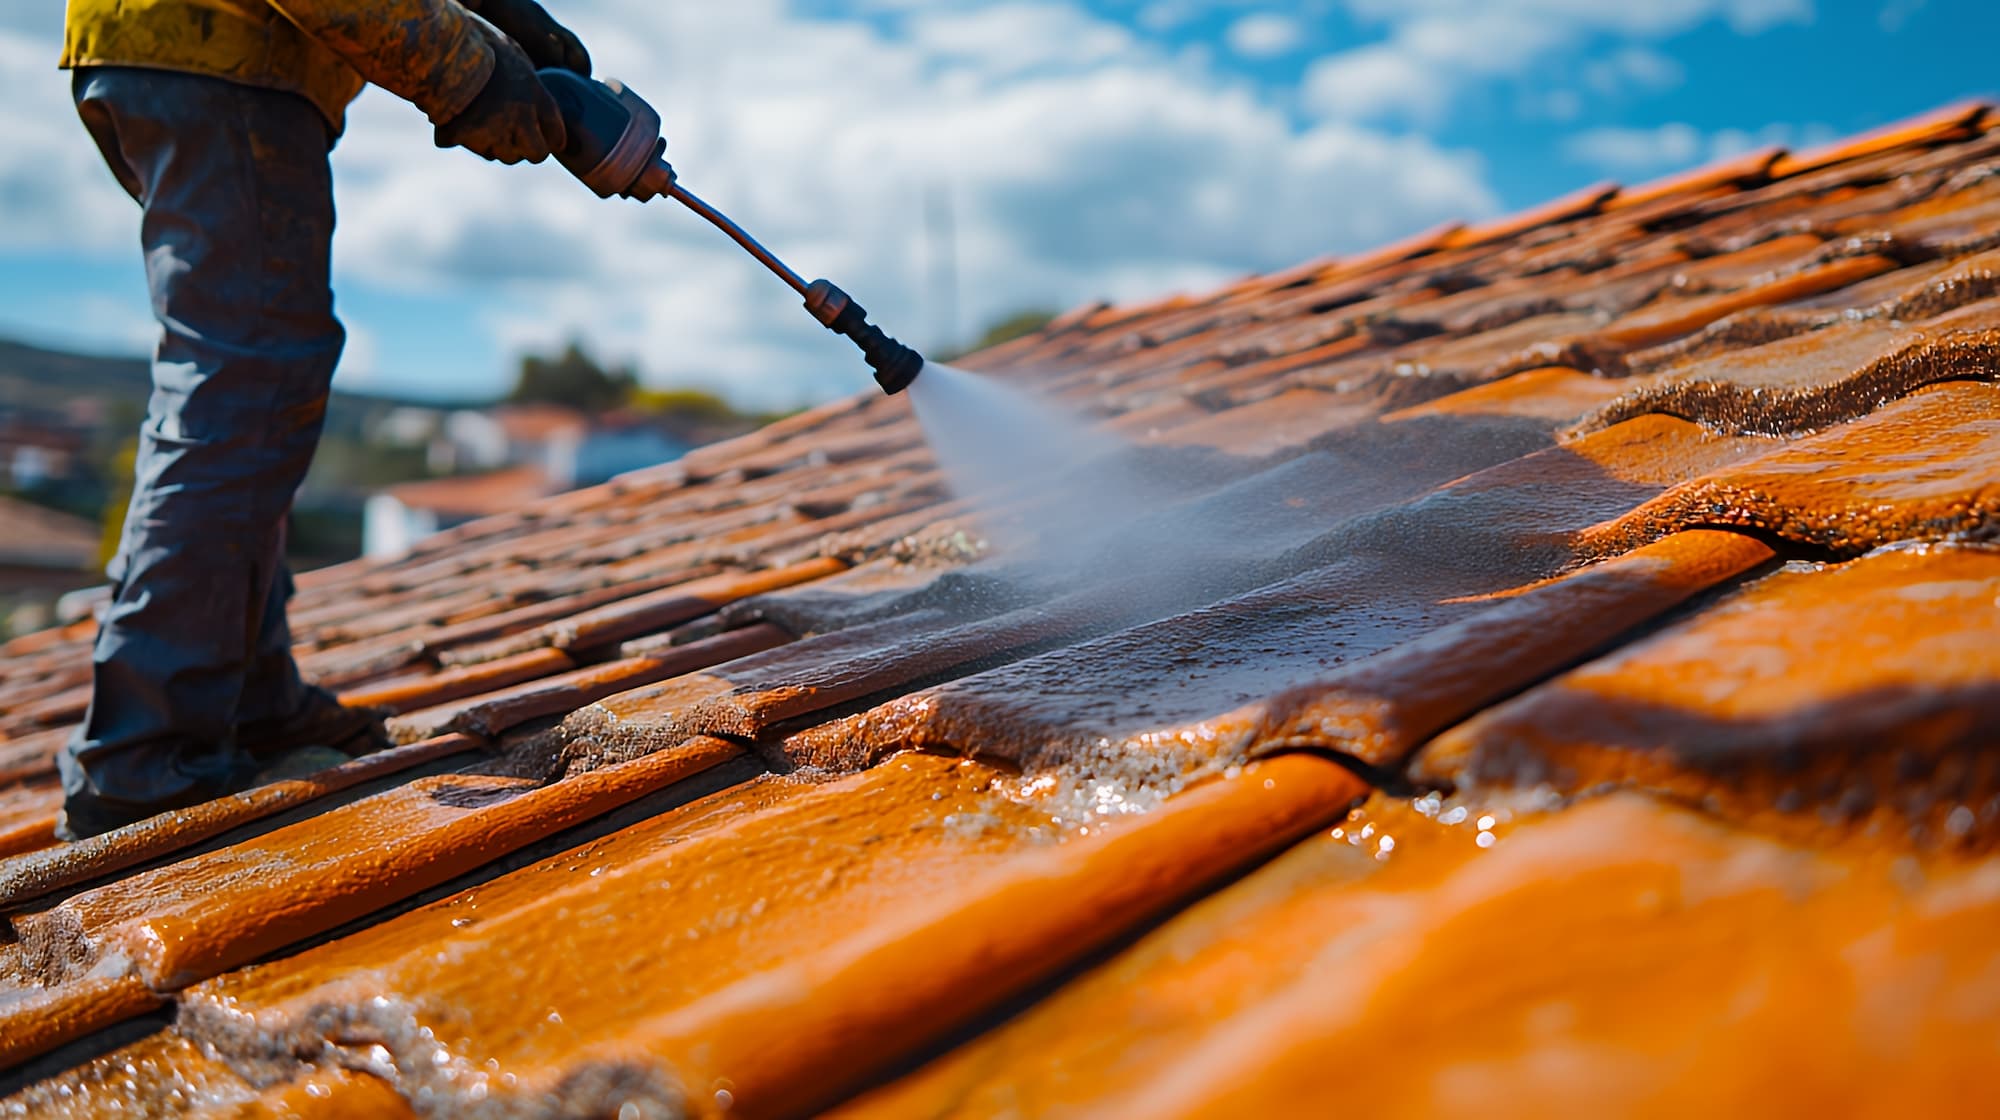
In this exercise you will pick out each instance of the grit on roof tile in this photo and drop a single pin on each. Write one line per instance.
(1497, 507)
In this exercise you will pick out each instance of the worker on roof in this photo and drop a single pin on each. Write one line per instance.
(218, 117)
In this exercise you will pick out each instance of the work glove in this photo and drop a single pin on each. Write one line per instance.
(513, 119)
(548, 43)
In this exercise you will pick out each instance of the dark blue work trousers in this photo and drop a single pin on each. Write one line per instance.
(237, 232)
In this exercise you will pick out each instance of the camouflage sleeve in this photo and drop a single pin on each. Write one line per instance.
(431, 53)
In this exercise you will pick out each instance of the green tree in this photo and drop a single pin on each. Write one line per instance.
(573, 378)
(1017, 325)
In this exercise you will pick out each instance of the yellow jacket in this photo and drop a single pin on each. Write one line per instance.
(429, 52)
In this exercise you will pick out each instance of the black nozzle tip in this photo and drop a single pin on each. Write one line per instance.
(895, 364)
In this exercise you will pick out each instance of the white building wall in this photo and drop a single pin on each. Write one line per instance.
(390, 529)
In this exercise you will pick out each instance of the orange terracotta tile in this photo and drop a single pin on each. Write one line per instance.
(1424, 984)
(63, 707)
(1433, 367)
(653, 611)
(1652, 326)
(1818, 378)
(1920, 468)
(1186, 693)
(411, 693)
(1860, 692)
(1549, 393)
(28, 645)
(32, 756)
(870, 915)
(1416, 245)
(1948, 123)
(188, 921)
(1271, 426)
(491, 714)
(28, 817)
(1382, 708)
(35, 1019)
(169, 1074)
(1566, 208)
(38, 873)
(1750, 167)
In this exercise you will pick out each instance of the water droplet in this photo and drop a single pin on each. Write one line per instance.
(1960, 822)
(1485, 840)
(1486, 823)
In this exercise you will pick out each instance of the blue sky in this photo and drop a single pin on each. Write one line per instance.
(1084, 148)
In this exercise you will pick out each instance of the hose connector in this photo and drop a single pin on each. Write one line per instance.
(895, 364)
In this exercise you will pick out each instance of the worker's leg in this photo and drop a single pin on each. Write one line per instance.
(238, 219)
(271, 685)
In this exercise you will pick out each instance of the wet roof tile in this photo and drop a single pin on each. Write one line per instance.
(1401, 966)
(1926, 467)
(1857, 689)
(859, 913)
(1554, 457)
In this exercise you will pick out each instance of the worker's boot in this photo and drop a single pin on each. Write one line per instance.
(321, 723)
(319, 735)
(87, 813)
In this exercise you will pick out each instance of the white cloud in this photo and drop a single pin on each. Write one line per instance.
(55, 192)
(1265, 35)
(1626, 150)
(1436, 52)
(1083, 162)
(1674, 146)
(1632, 68)
(1896, 14)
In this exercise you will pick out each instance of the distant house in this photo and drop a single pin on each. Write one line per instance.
(397, 518)
(34, 454)
(43, 554)
(519, 453)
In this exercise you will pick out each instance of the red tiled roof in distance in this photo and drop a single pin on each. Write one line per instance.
(476, 495)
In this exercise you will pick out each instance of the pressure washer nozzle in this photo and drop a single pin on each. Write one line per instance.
(895, 364)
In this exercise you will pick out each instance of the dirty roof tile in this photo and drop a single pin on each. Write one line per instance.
(1926, 467)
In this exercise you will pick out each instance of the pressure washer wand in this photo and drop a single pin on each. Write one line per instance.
(615, 148)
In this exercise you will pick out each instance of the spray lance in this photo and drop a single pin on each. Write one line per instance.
(615, 148)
